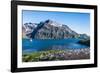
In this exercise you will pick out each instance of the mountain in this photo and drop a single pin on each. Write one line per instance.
(48, 30)
(28, 28)
(84, 36)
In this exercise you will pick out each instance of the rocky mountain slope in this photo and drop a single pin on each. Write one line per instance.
(47, 30)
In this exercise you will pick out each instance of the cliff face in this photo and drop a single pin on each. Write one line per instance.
(48, 30)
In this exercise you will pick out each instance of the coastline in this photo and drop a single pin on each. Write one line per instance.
(54, 55)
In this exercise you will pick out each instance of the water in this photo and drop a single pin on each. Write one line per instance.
(37, 45)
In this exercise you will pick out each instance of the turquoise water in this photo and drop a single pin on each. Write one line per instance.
(37, 45)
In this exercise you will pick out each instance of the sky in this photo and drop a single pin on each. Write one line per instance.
(79, 22)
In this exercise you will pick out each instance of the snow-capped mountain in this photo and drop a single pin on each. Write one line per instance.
(48, 30)
(29, 27)
(54, 23)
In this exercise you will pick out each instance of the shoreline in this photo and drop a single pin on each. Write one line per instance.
(54, 55)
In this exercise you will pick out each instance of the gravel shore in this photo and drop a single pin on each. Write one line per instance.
(54, 55)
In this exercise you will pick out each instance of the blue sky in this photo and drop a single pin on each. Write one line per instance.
(79, 22)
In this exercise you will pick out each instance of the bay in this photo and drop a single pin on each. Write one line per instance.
(47, 44)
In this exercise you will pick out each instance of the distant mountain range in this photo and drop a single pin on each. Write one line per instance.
(49, 30)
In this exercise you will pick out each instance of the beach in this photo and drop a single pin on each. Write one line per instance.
(55, 55)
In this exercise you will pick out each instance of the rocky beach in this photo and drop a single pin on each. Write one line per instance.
(54, 55)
